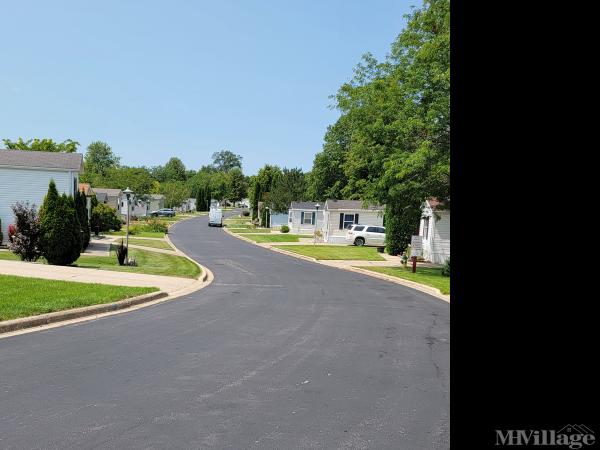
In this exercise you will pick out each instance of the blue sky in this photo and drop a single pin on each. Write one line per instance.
(157, 79)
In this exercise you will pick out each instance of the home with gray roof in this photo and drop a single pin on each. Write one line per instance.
(303, 217)
(25, 175)
(111, 197)
(338, 215)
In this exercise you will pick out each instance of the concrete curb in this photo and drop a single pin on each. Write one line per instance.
(71, 316)
(76, 313)
(411, 284)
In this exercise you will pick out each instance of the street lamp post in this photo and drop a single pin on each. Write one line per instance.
(127, 193)
(317, 206)
(267, 216)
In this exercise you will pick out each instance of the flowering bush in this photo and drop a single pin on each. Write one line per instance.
(25, 238)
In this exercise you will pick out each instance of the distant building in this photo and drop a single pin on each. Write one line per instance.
(111, 197)
(157, 201)
(25, 176)
(303, 217)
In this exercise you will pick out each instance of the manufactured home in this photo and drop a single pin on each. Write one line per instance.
(305, 218)
(25, 175)
(339, 215)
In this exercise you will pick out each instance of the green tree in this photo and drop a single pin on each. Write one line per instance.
(225, 160)
(175, 193)
(99, 158)
(60, 231)
(42, 145)
(104, 218)
(237, 188)
(137, 179)
(287, 187)
(175, 170)
(81, 208)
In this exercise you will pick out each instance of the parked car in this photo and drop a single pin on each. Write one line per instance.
(365, 235)
(215, 217)
(163, 212)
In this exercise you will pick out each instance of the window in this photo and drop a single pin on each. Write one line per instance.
(348, 220)
(425, 230)
(358, 228)
(372, 230)
(308, 218)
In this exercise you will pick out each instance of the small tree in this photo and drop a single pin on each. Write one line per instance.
(104, 218)
(60, 229)
(81, 208)
(25, 241)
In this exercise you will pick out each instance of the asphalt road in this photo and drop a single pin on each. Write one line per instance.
(276, 353)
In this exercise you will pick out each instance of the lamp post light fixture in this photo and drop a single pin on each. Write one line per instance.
(317, 206)
(128, 192)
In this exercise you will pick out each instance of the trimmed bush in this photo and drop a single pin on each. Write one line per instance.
(24, 237)
(285, 229)
(105, 218)
(446, 269)
(60, 230)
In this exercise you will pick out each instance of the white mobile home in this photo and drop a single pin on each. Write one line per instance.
(303, 217)
(111, 197)
(25, 175)
(338, 215)
(435, 230)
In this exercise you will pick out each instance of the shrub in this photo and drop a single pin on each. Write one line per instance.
(24, 237)
(121, 253)
(1, 235)
(60, 231)
(285, 229)
(446, 269)
(104, 218)
(156, 225)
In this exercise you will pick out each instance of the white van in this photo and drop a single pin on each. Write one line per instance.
(215, 217)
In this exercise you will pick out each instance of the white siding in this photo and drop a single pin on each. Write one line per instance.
(301, 228)
(29, 185)
(334, 235)
(436, 248)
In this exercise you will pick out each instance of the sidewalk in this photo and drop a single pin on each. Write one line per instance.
(170, 285)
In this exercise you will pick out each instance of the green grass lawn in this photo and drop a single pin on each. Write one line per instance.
(258, 237)
(238, 224)
(335, 252)
(152, 234)
(250, 230)
(23, 296)
(164, 245)
(149, 262)
(430, 276)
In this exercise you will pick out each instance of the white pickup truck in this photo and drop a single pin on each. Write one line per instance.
(215, 217)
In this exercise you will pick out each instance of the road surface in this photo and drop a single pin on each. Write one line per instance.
(276, 353)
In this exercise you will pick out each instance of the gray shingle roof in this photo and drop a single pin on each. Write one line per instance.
(350, 205)
(305, 205)
(48, 160)
(108, 191)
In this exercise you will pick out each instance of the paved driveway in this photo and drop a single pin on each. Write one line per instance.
(276, 353)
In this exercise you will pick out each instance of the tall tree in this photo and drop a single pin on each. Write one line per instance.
(42, 145)
(175, 170)
(175, 193)
(99, 158)
(225, 160)
(287, 187)
(237, 188)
